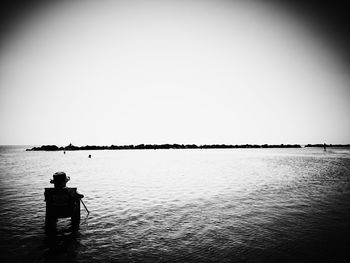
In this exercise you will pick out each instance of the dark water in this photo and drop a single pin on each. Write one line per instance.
(233, 205)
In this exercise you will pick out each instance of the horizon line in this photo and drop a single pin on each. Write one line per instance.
(201, 144)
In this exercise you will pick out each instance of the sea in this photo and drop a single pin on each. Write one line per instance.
(180, 205)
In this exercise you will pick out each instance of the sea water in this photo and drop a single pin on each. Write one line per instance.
(195, 205)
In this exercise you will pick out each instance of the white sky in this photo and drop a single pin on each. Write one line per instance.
(170, 72)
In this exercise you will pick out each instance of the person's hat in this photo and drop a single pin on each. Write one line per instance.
(59, 177)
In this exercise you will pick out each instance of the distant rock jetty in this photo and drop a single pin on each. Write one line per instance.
(71, 147)
(329, 145)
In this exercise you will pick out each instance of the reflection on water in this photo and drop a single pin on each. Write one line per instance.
(61, 246)
(233, 205)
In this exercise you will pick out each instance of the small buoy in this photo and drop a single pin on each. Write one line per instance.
(89, 155)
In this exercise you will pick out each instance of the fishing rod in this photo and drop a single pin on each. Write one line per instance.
(85, 206)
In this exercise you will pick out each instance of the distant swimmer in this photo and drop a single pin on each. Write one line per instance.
(64, 152)
(89, 155)
(324, 147)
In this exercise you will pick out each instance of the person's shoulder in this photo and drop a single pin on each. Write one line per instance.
(73, 191)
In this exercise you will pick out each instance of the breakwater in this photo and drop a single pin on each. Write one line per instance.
(71, 147)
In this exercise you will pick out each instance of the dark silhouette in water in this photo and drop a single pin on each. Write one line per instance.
(61, 202)
(324, 147)
(89, 155)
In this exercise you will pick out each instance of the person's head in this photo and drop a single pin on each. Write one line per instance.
(59, 179)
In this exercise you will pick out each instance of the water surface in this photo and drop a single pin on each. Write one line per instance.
(224, 205)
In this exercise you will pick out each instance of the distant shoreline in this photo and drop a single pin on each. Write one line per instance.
(71, 147)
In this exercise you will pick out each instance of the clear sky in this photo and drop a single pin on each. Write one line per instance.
(130, 72)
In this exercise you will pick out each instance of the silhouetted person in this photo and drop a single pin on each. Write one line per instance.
(60, 180)
(89, 155)
(62, 201)
(324, 147)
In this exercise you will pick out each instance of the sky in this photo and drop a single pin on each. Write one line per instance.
(203, 72)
